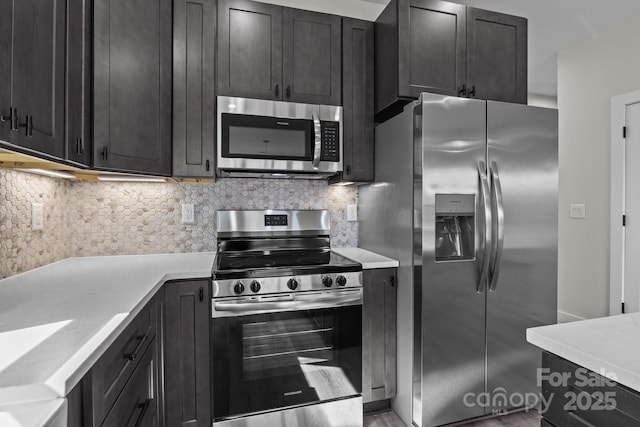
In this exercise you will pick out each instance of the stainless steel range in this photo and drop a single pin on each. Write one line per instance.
(286, 323)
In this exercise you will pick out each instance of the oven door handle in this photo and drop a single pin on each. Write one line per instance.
(290, 302)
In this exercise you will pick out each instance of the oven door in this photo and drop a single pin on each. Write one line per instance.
(267, 354)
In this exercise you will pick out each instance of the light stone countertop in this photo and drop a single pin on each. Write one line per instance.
(57, 320)
(369, 260)
(46, 413)
(609, 346)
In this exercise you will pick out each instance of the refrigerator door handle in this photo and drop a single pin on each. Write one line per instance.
(488, 222)
(498, 240)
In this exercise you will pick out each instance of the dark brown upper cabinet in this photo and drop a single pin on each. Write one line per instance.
(447, 48)
(496, 56)
(357, 98)
(270, 52)
(249, 49)
(194, 32)
(32, 74)
(132, 63)
(78, 148)
(6, 30)
(312, 63)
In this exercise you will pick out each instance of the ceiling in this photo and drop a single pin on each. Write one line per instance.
(555, 25)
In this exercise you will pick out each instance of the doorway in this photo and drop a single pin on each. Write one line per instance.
(624, 284)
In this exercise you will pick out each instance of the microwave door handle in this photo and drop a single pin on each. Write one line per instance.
(317, 130)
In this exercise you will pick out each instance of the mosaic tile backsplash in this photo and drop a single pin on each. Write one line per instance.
(84, 218)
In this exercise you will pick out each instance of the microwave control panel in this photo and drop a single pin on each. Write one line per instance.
(330, 141)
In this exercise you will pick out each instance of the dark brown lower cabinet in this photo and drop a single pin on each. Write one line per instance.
(574, 396)
(379, 334)
(186, 354)
(122, 388)
(74, 407)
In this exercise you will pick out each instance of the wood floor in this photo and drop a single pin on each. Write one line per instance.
(520, 419)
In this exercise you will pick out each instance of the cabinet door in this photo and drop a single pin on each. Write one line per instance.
(432, 51)
(249, 49)
(497, 56)
(6, 31)
(379, 335)
(78, 82)
(187, 373)
(132, 85)
(312, 61)
(194, 32)
(37, 80)
(357, 97)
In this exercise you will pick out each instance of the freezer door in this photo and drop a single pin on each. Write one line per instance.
(523, 156)
(449, 144)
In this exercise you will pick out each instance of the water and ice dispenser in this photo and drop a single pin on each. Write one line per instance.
(455, 227)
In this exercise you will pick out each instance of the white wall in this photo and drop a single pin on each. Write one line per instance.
(589, 74)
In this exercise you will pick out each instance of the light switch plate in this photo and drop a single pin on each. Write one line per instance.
(188, 213)
(37, 216)
(352, 212)
(577, 211)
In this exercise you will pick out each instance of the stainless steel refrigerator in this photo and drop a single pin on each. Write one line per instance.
(465, 197)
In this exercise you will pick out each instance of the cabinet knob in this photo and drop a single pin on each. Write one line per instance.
(288, 91)
(207, 165)
(104, 153)
(277, 91)
(462, 91)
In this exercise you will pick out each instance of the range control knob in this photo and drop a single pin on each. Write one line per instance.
(341, 280)
(327, 281)
(238, 288)
(255, 286)
(292, 284)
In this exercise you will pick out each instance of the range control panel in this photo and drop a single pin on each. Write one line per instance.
(271, 220)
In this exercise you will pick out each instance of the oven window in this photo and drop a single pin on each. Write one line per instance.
(277, 360)
(259, 137)
(273, 347)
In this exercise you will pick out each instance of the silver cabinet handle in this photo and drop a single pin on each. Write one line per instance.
(488, 222)
(317, 129)
(498, 240)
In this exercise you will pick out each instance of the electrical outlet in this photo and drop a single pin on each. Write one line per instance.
(352, 213)
(188, 213)
(577, 211)
(37, 216)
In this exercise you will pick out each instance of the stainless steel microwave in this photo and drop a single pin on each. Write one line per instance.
(260, 138)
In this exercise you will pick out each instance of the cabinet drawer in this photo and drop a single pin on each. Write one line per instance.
(111, 372)
(579, 397)
(137, 404)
